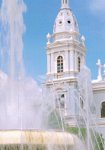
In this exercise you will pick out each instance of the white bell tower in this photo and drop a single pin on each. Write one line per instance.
(65, 56)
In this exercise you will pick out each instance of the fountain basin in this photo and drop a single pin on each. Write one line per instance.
(35, 137)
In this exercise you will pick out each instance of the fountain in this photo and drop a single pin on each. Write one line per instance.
(87, 110)
(25, 108)
(16, 89)
(35, 139)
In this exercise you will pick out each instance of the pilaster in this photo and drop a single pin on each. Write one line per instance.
(71, 60)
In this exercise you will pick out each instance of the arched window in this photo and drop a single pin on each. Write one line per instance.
(103, 110)
(60, 64)
(60, 101)
(79, 64)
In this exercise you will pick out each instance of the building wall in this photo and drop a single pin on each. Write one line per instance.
(99, 97)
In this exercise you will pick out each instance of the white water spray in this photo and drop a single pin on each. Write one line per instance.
(13, 27)
(21, 101)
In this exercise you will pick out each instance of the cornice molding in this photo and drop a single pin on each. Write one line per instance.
(98, 85)
(66, 44)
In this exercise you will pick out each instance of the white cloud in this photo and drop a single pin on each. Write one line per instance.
(97, 6)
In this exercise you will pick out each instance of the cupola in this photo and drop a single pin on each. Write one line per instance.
(65, 23)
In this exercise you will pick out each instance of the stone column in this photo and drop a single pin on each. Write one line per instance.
(71, 60)
(52, 63)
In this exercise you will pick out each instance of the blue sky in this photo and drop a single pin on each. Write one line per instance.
(39, 20)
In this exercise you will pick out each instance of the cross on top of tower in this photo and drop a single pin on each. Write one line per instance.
(64, 4)
(99, 65)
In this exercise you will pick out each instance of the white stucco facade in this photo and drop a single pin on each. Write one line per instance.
(66, 55)
(99, 98)
(65, 42)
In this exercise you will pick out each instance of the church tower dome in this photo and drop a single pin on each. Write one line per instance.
(65, 48)
(65, 22)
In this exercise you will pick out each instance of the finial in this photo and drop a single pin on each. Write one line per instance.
(99, 65)
(64, 4)
(48, 38)
(83, 39)
(104, 71)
